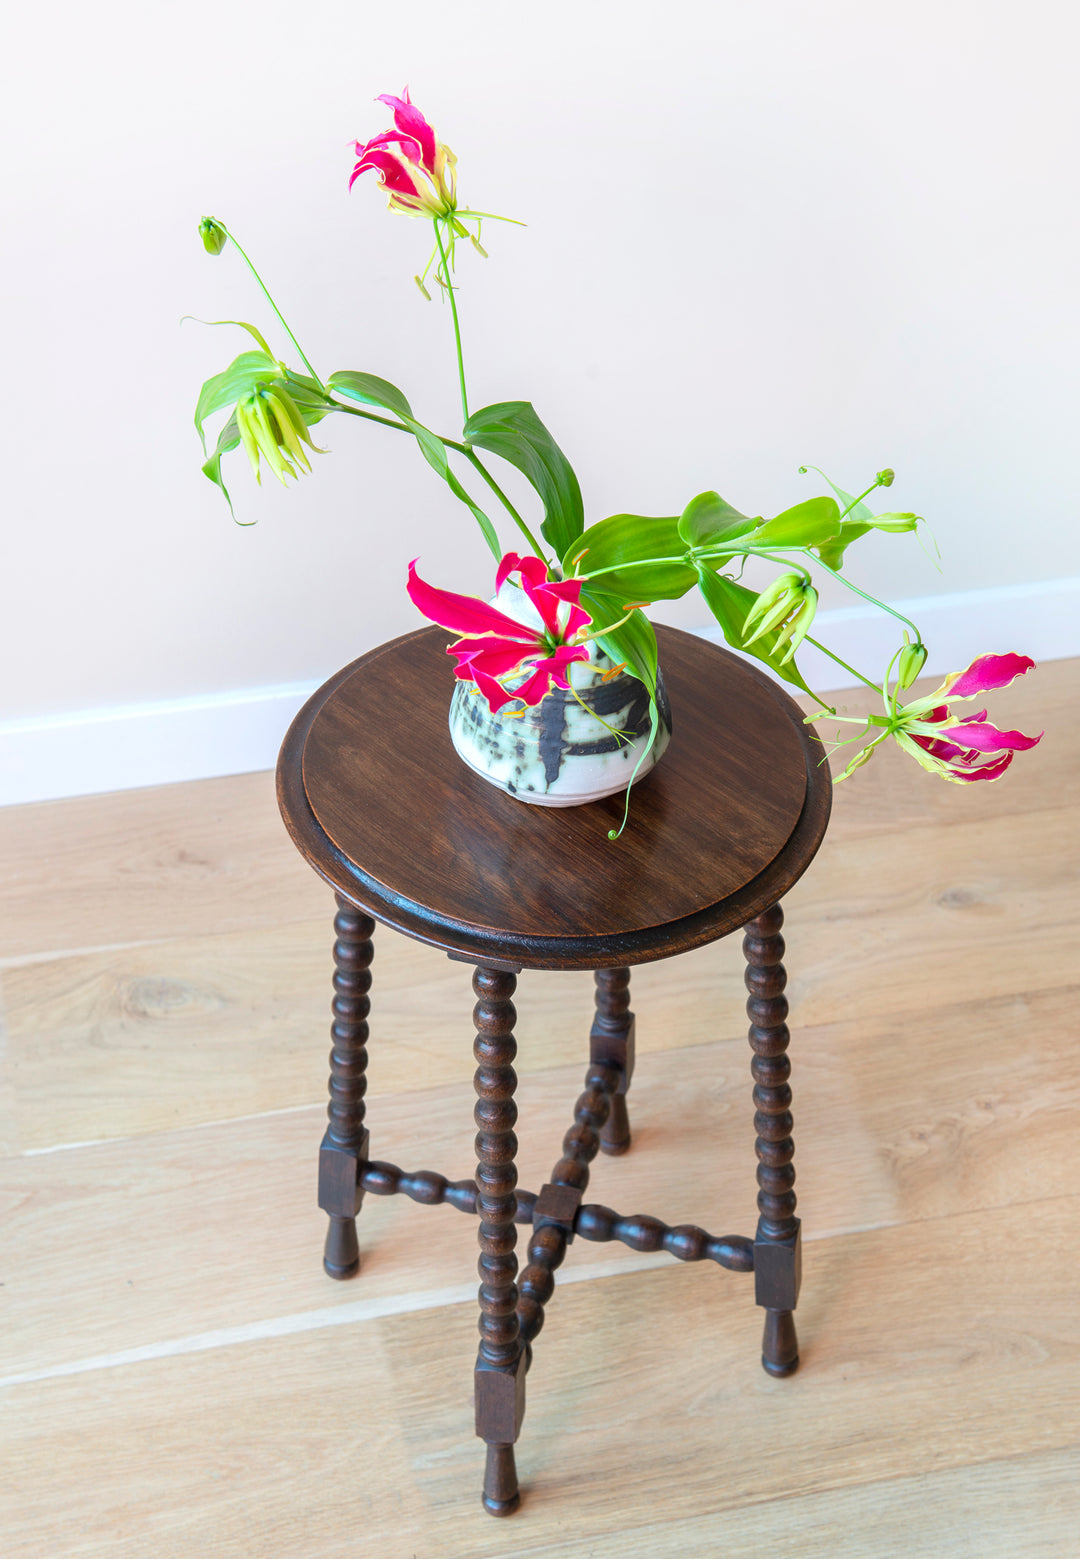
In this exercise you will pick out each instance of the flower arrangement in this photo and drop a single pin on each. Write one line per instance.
(591, 584)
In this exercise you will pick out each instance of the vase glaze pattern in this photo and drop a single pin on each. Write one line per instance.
(559, 754)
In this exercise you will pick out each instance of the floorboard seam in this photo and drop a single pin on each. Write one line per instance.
(362, 1310)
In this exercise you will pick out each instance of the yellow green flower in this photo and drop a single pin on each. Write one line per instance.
(270, 425)
(787, 605)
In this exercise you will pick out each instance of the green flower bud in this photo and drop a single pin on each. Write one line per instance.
(213, 235)
(911, 662)
(886, 478)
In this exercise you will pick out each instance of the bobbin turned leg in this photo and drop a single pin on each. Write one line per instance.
(611, 1043)
(500, 1364)
(345, 1146)
(777, 1252)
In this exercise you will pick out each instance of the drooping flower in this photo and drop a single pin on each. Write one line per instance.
(959, 747)
(788, 604)
(414, 167)
(967, 747)
(269, 423)
(496, 647)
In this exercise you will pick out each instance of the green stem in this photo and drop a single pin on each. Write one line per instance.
(682, 560)
(871, 598)
(399, 427)
(474, 458)
(643, 562)
(769, 554)
(874, 484)
(275, 308)
(457, 327)
(617, 568)
(867, 750)
(371, 416)
(825, 651)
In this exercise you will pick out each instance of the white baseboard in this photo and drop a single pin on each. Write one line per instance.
(1041, 620)
(146, 744)
(51, 757)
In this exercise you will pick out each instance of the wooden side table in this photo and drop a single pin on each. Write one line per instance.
(379, 804)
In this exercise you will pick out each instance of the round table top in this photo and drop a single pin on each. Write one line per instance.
(379, 803)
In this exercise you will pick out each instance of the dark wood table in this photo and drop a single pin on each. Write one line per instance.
(378, 802)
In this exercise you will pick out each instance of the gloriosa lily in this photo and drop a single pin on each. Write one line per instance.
(788, 604)
(269, 423)
(495, 646)
(416, 170)
(617, 566)
(962, 748)
(414, 167)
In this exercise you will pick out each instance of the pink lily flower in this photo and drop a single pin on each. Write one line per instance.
(413, 166)
(963, 748)
(496, 646)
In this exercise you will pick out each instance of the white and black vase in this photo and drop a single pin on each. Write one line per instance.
(566, 750)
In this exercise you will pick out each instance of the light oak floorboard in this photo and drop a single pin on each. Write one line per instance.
(236, 1023)
(982, 1511)
(147, 865)
(903, 1373)
(190, 1231)
(164, 973)
(279, 1450)
(359, 1440)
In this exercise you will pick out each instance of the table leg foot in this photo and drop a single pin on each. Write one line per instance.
(341, 1254)
(780, 1345)
(615, 1132)
(501, 1495)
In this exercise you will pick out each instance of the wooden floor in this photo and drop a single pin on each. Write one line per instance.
(179, 1378)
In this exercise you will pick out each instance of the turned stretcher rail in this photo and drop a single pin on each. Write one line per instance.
(684, 1241)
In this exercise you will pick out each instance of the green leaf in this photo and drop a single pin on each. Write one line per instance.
(832, 552)
(434, 452)
(808, 524)
(634, 641)
(512, 430)
(646, 558)
(370, 390)
(856, 522)
(730, 604)
(849, 508)
(709, 519)
(238, 380)
(228, 439)
(257, 335)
